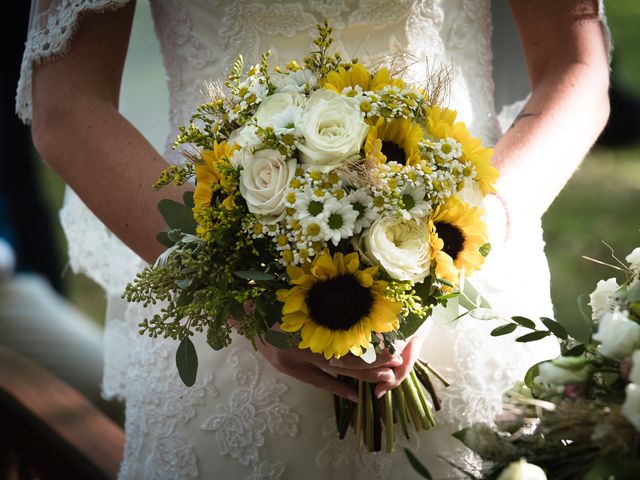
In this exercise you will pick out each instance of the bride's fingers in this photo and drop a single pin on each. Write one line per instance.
(371, 375)
(383, 359)
(409, 356)
(312, 375)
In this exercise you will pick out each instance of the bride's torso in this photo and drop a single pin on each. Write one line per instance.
(200, 39)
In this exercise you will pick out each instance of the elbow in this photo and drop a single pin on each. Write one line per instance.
(48, 126)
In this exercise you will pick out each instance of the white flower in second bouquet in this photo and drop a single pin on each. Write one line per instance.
(633, 259)
(631, 405)
(264, 181)
(285, 122)
(333, 128)
(634, 374)
(522, 470)
(564, 371)
(362, 202)
(601, 299)
(274, 105)
(618, 336)
(401, 247)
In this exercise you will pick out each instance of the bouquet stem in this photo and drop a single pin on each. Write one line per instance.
(405, 404)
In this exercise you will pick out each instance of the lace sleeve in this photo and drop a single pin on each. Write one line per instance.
(51, 27)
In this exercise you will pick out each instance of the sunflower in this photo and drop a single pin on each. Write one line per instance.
(441, 123)
(208, 174)
(456, 234)
(358, 75)
(394, 140)
(336, 305)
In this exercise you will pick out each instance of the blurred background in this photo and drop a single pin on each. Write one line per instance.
(601, 203)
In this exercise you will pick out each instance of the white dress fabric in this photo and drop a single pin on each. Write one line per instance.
(243, 419)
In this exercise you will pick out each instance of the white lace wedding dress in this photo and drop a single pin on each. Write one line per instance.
(242, 419)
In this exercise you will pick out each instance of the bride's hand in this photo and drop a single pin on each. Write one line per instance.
(315, 370)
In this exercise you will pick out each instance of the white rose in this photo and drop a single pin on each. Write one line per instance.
(634, 374)
(631, 405)
(633, 259)
(521, 470)
(245, 137)
(401, 247)
(601, 298)
(618, 336)
(264, 180)
(274, 105)
(564, 371)
(333, 128)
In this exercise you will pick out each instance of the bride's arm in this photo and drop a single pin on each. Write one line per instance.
(567, 63)
(80, 133)
(568, 70)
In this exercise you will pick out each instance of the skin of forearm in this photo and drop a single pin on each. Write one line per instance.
(536, 157)
(110, 165)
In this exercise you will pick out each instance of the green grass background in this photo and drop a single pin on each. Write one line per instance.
(600, 203)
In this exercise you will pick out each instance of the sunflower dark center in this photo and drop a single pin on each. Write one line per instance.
(394, 152)
(452, 237)
(339, 303)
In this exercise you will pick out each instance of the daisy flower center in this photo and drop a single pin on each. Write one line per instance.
(339, 303)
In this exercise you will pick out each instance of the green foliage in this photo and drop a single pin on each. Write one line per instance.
(417, 465)
(177, 215)
(187, 362)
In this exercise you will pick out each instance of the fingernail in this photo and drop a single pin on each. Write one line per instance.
(380, 394)
(336, 363)
(353, 397)
(386, 376)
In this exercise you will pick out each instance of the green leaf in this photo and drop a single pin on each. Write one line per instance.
(177, 215)
(460, 434)
(575, 351)
(503, 329)
(277, 339)
(187, 362)
(184, 299)
(524, 321)
(533, 336)
(189, 202)
(254, 275)
(633, 294)
(485, 249)
(417, 465)
(555, 328)
(410, 323)
(163, 238)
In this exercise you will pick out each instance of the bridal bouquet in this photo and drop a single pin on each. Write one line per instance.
(328, 215)
(577, 416)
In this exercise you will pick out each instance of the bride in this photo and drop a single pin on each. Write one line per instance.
(264, 415)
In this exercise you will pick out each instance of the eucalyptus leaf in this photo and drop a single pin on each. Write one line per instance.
(633, 294)
(531, 374)
(187, 362)
(575, 351)
(184, 299)
(417, 465)
(177, 215)
(555, 328)
(485, 249)
(503, 329)
(460, 434)
(254, 275)
(277, 339)
(533, 336)
(524, 321)
(471, 299)
(483, 314)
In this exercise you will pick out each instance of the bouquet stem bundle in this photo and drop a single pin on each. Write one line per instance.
(374, 418)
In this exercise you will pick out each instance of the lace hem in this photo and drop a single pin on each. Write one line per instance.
(50, 33)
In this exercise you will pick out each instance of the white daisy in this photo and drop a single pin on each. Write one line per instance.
(307, 204)
(414, 203)
(286, 121)
(448, 149)
(362, 202)
(340, 221)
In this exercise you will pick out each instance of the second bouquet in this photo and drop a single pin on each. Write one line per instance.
(328, 214)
